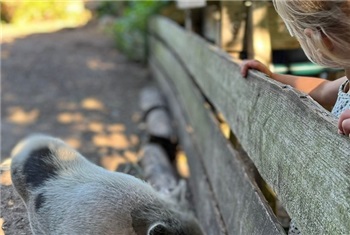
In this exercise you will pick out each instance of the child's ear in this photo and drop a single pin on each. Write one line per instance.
(327, 42)
(325, 39)
(308, 32)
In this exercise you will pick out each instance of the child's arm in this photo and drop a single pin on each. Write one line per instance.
(323, 91)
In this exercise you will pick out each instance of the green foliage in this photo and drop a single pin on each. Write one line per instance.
(130, 29)
(22, 11)
(109, 8)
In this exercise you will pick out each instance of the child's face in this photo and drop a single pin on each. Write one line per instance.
(326, 41)
(322, 28)
(328, 52)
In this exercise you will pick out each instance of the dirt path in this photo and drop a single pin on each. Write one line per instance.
(72, 84)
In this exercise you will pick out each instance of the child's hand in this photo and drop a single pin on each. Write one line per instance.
(344, 123)
(254, 64)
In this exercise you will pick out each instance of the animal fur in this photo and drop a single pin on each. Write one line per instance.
(66, 194)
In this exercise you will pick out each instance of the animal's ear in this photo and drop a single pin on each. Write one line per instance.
(158, 229)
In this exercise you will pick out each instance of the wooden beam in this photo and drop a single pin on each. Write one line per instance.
(240, 202)
(292, 140)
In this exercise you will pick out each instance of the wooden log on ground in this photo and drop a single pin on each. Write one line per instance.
(155, 115)
(158, 124)
(151, 98)
(158, 170)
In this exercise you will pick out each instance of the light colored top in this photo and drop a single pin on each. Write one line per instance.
(343, 100)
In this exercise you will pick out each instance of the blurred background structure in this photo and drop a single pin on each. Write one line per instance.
(127, 20)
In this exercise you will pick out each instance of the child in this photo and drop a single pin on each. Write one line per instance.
(323, 30)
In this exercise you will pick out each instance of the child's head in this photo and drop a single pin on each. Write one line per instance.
(321, 27)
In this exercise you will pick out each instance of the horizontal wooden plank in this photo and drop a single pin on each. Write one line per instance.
(292, 141)
(204, 203)
(248, 212)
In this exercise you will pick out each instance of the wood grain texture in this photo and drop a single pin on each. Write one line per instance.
(203, 202)
(240, 202)
(291, 140)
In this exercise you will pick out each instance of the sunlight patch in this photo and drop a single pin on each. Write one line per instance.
(97, 64)
(131, 156)
(112, 162)
(67, 118)
(19, 116)
(118, 141)
(92, 104)
(5, 178)
(116, 128)
(73, 142)
(96, 127)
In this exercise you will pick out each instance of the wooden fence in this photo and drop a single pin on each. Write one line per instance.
(291, 140)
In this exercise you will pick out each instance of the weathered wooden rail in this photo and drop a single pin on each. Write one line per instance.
(291, 140)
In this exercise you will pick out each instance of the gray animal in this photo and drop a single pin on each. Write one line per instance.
(66, 194)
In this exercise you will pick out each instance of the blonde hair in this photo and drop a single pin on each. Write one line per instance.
(329, 19)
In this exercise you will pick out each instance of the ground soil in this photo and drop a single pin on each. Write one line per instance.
(72, 84)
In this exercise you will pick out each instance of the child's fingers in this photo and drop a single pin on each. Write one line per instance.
(249, 64)
(344, 123)
(346, 127)
(244, 68)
